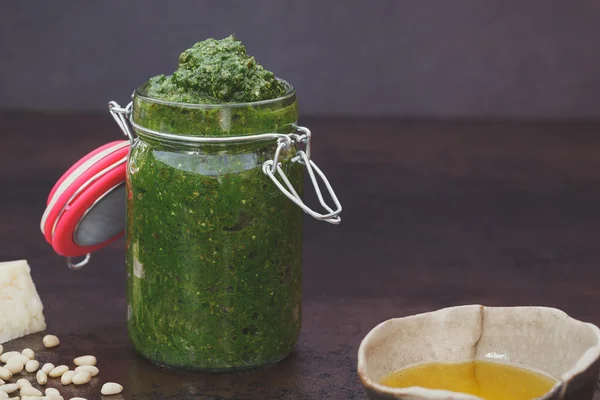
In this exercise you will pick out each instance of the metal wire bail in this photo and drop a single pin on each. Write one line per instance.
(78, 265)
(272, 166)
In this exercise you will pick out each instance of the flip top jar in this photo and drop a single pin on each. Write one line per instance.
(208, 191)
(214, 229)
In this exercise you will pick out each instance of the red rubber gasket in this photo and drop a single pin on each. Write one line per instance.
(78, 164)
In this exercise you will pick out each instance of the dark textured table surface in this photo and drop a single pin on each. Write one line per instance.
(435, 214)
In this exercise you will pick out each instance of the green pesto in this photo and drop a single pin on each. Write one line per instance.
(219, 120)
(214, 248)
(216, 71)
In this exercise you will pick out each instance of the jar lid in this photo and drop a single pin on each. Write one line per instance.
(85, 210)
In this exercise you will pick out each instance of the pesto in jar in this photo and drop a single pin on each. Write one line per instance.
(213, 247)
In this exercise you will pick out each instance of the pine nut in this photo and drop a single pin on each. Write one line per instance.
(50, 341)
(5, 356)
(58, 371)
(2, 382)
(20, 358)
(54, 397)
(21, 383)
(48, 367)
(14, 367)
(52, 392)
(67, 377)
(77, 398)
(90, 368)
(3, 395)
(110, 388)
(82, 377)
(85, 360)
(41, 377)
(32, 365)
(5, 374)
(30, 391)
(28, 353)
(9, 387)
(1, 349)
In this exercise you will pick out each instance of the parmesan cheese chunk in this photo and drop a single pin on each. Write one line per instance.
(21, 309)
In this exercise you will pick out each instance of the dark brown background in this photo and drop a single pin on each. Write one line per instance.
(386, 57)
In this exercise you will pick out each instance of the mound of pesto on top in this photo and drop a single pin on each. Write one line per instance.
(215, 72)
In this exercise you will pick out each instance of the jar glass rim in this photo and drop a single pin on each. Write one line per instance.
(140, 92)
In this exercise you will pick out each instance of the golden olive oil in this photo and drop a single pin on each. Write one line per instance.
(486, 379)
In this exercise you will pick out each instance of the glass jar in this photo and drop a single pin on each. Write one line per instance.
(214, 247)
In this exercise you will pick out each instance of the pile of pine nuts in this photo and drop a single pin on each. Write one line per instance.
(16, 362)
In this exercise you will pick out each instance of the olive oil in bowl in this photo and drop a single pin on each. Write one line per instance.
(485, 379)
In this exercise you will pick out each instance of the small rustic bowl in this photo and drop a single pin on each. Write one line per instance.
(540, 338)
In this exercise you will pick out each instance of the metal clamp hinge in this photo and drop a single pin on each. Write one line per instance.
(121, 116)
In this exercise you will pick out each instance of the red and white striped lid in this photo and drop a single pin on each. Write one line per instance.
(86, 208)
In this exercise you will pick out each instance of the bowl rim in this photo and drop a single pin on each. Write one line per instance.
(583, 363)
